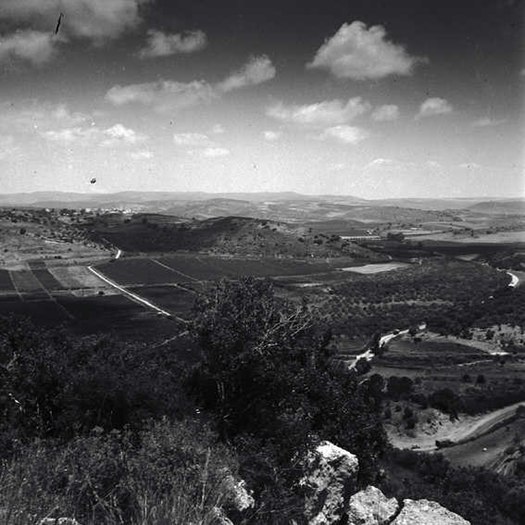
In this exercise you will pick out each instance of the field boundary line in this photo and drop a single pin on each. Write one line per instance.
(52, 297)
(173, 270)
(15, 286)
(133, 296)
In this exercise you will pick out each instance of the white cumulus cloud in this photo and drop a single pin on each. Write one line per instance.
(434, 106)
(160, 44)
(258, 70)
(191, 139)
(163, 95)
(32, 46)
(116, 134)
(385, 113)
(119, 133)
(213, 152)
(486, 122)
(96, 20)
(361, 53)
(272, 136)
(345, 134)
(320, 113)
(170, 95)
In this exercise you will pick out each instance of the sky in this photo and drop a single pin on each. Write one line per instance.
(372, 98)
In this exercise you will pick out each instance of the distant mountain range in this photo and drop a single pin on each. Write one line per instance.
(283, 205)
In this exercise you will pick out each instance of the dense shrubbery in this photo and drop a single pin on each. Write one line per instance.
(84, 410)
(450, 296)
(267, 378)
(478, 495)
(56, 386)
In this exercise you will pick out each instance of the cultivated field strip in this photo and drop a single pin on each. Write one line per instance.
(6, 284)
(133, 296)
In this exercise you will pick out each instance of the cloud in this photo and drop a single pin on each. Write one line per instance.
(218, 129)
(214, 152)
(31, 115)
(200, 144)
(120, 134)
(256, 71)
(191, 139)
(141, 155)
(163, 95)
(320, 113)
(434, 106)
(272, 136)
(385, 113)
(381, 163)
(96, 20)
(486, 122)
(362, 53)
(160, 44)
(170, 95)
(116, 134)
(32, 46)
(345, 134)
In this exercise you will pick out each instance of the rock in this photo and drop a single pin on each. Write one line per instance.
(424, 512)
(219, 518)
(331, 478)
(371, 507)
(238, 498)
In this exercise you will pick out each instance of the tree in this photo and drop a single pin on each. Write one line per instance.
(266, 372)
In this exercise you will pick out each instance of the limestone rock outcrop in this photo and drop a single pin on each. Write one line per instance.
(331, 478)
(428, 513)
(371, 507)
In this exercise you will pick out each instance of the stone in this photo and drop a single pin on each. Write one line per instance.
(371, 507)
(424, 512)
(331, 476)
(238, 497)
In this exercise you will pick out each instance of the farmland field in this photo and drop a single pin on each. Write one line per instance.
(187, 268)
(5, 281)
(174, 299)
(140, 271)
(425, 354)
(25, 281)
(368, 269)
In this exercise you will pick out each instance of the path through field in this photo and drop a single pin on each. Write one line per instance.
(134, 296)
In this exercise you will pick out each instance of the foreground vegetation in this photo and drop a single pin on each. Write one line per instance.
(112, 432)
(108, 432)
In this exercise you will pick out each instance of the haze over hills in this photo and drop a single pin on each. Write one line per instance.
(214, 204)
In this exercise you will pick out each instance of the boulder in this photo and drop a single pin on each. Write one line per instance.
(371, 507)
(331, 476)
(237, 496)
(424, 512)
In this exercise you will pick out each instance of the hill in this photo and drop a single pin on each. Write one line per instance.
(221, 235)
(500, 207)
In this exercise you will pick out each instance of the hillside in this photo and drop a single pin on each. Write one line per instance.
(503, 207)
(222, 235)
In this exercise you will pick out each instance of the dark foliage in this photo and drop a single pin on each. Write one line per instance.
(476, 494)
(266, 376)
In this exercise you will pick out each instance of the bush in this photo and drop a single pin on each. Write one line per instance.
(170, 473)
(267, 378)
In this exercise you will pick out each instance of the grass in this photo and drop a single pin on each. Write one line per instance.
(169, 474)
